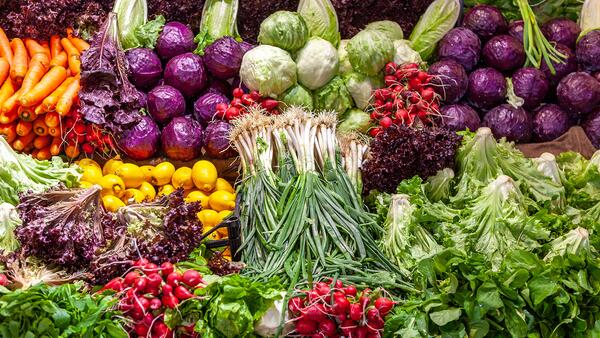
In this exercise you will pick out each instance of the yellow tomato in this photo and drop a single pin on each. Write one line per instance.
(209, 218)
(132, 196)
(198, 196)
(85, 185)
(162, 173)
(165, 190)
(148, 190)
(182, 178)
(147, 171)
(131, 174)
(204, 175)
(222, 184)
(111, 165)
(112, 203)
(88, 161)
(91, 174)
(221, 200)
(112, 185)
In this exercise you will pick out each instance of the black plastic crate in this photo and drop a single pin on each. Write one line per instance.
(234, 239)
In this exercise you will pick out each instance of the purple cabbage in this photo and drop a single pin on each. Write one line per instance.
(182, 139)
(461, 45)
(504, 53)
(246, 46)
(550, 122)
(450, 80)
(588, 51)
(486, 21)
(459, 117)
(578, 93)
(515, 29)
(223, 57)
(174, 39)
(562, 69)
(142, 141)
(216, 140)
(145, 69)
(165, 103)
(487, 88)
(220, 86)
(507, 121)
(591, 125)
(531, 85)
(186, 73)
(205, 106)
(561, 30)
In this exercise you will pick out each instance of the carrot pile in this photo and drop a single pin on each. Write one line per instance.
(40, 86)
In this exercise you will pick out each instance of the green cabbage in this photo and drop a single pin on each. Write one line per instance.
(439, 18)
(317, 63)
(321, 19)
(284, 29)
(390, 28)
(298, 96)
(334, 96)
(355, 120)
(403, 53)
(269, 70)
(369, 51)
(345, 65)
(361, 87)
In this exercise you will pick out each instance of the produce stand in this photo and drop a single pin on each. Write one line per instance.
(311, 168)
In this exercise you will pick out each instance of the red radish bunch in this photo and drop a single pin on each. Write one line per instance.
(4, 280)
(87, 137)
(148, 290)
(334, 310)
(240, 103)
(408, 97)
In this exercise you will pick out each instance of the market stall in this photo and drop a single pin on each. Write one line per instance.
(319, 168)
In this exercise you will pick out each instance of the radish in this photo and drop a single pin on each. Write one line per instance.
(191, 277)
(130, 278)
(155, 304)
(148, 319)
(166, 269)
(136, 314)
(341, 317)
(390, 68)
(140, 263)
(327, 327)
(115, 284)
(372, 314)
(390, 80)
(170, 301)
(364, 301)
(305, 326)
(295, 306)
(384, 305)
(150, 268)
(322, 289)
(315, 312)
(269, 104)
(356, 312)
(348, 328)
(167, 289)
(238, 92)
(182, 293)
(154, 280)
(174, 278)
(140, 329)
(376, 323)
(140, 284)
(385, 122)
(341, 305)
(361, 332)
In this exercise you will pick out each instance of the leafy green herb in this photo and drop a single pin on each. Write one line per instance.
(147, 34)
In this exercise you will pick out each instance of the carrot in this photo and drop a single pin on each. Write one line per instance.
(39, 110)
(19, 66)
(45, 87)
(55, 46)
(36, 71)
(46, 47)
(23, 141)
(26, 114)
(54, 131)
(59, 60)
(44, 154)
(64, 104)
(5, 49)
(34, 48)
(50, 101)
(4, 69)
(9, 131)
(71, 151)
(39, 127)
(42, 142)
(79, 43)
(52, 119)
(6, 91)
(34, 153)
(56, 146)
(69, 32)
(72, 55)
(24, 128)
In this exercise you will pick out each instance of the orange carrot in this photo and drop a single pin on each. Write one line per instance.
(7, 90)
(10, 104)
(35, 73)
(20, 64)
(55, 46)
(59, 60)
(34, 48)
(23, 141)
(34, 153)
(26, 114)
(71, 151)
(39, 110)
(50, 101)
(52, 119)
(72, 54)
(42, 142)
(39, 127)
(24, 128)
(44, 87)
(69, 32)
(46, 49)
(79, 43)
(5, 49)
(4, 69)
(9, 131)
(56, 146)
(64, 104)
(44, 154)
(54, 131)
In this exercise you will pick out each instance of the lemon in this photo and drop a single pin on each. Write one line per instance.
(91, 174)
(147, 171)
(209, 218)
(222, 215)
(182, 178)
(86, 185)
(132, 196)
(222, 184)
(112, 203)
(204, 175)
(198, 196)
(162, 173)
(131, 174)
(165, 190)
(148, 190)
(213, 235)
(112, 185)
(88, 161)
(223, 232)
(111, 165)
(221, 200)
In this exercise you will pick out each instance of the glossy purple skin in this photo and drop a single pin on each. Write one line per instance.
(561, 30)
(451, 81)
(459, 117)
(531, 85)
(578, 93)
(461, 45)
(550, 122)
(205, 106)
(246, 46)
(145, 69)
(165, 103)
(223, 57)
(510, 122)
(487, 88)
(588, 51)
(174, 39)
(182, 139)
(142, 141)
(216, 140)
(219, 86)
(515, 29)
(187, 74)
(486, 21)
(592, 127)
(561, 69)
(504, 53)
